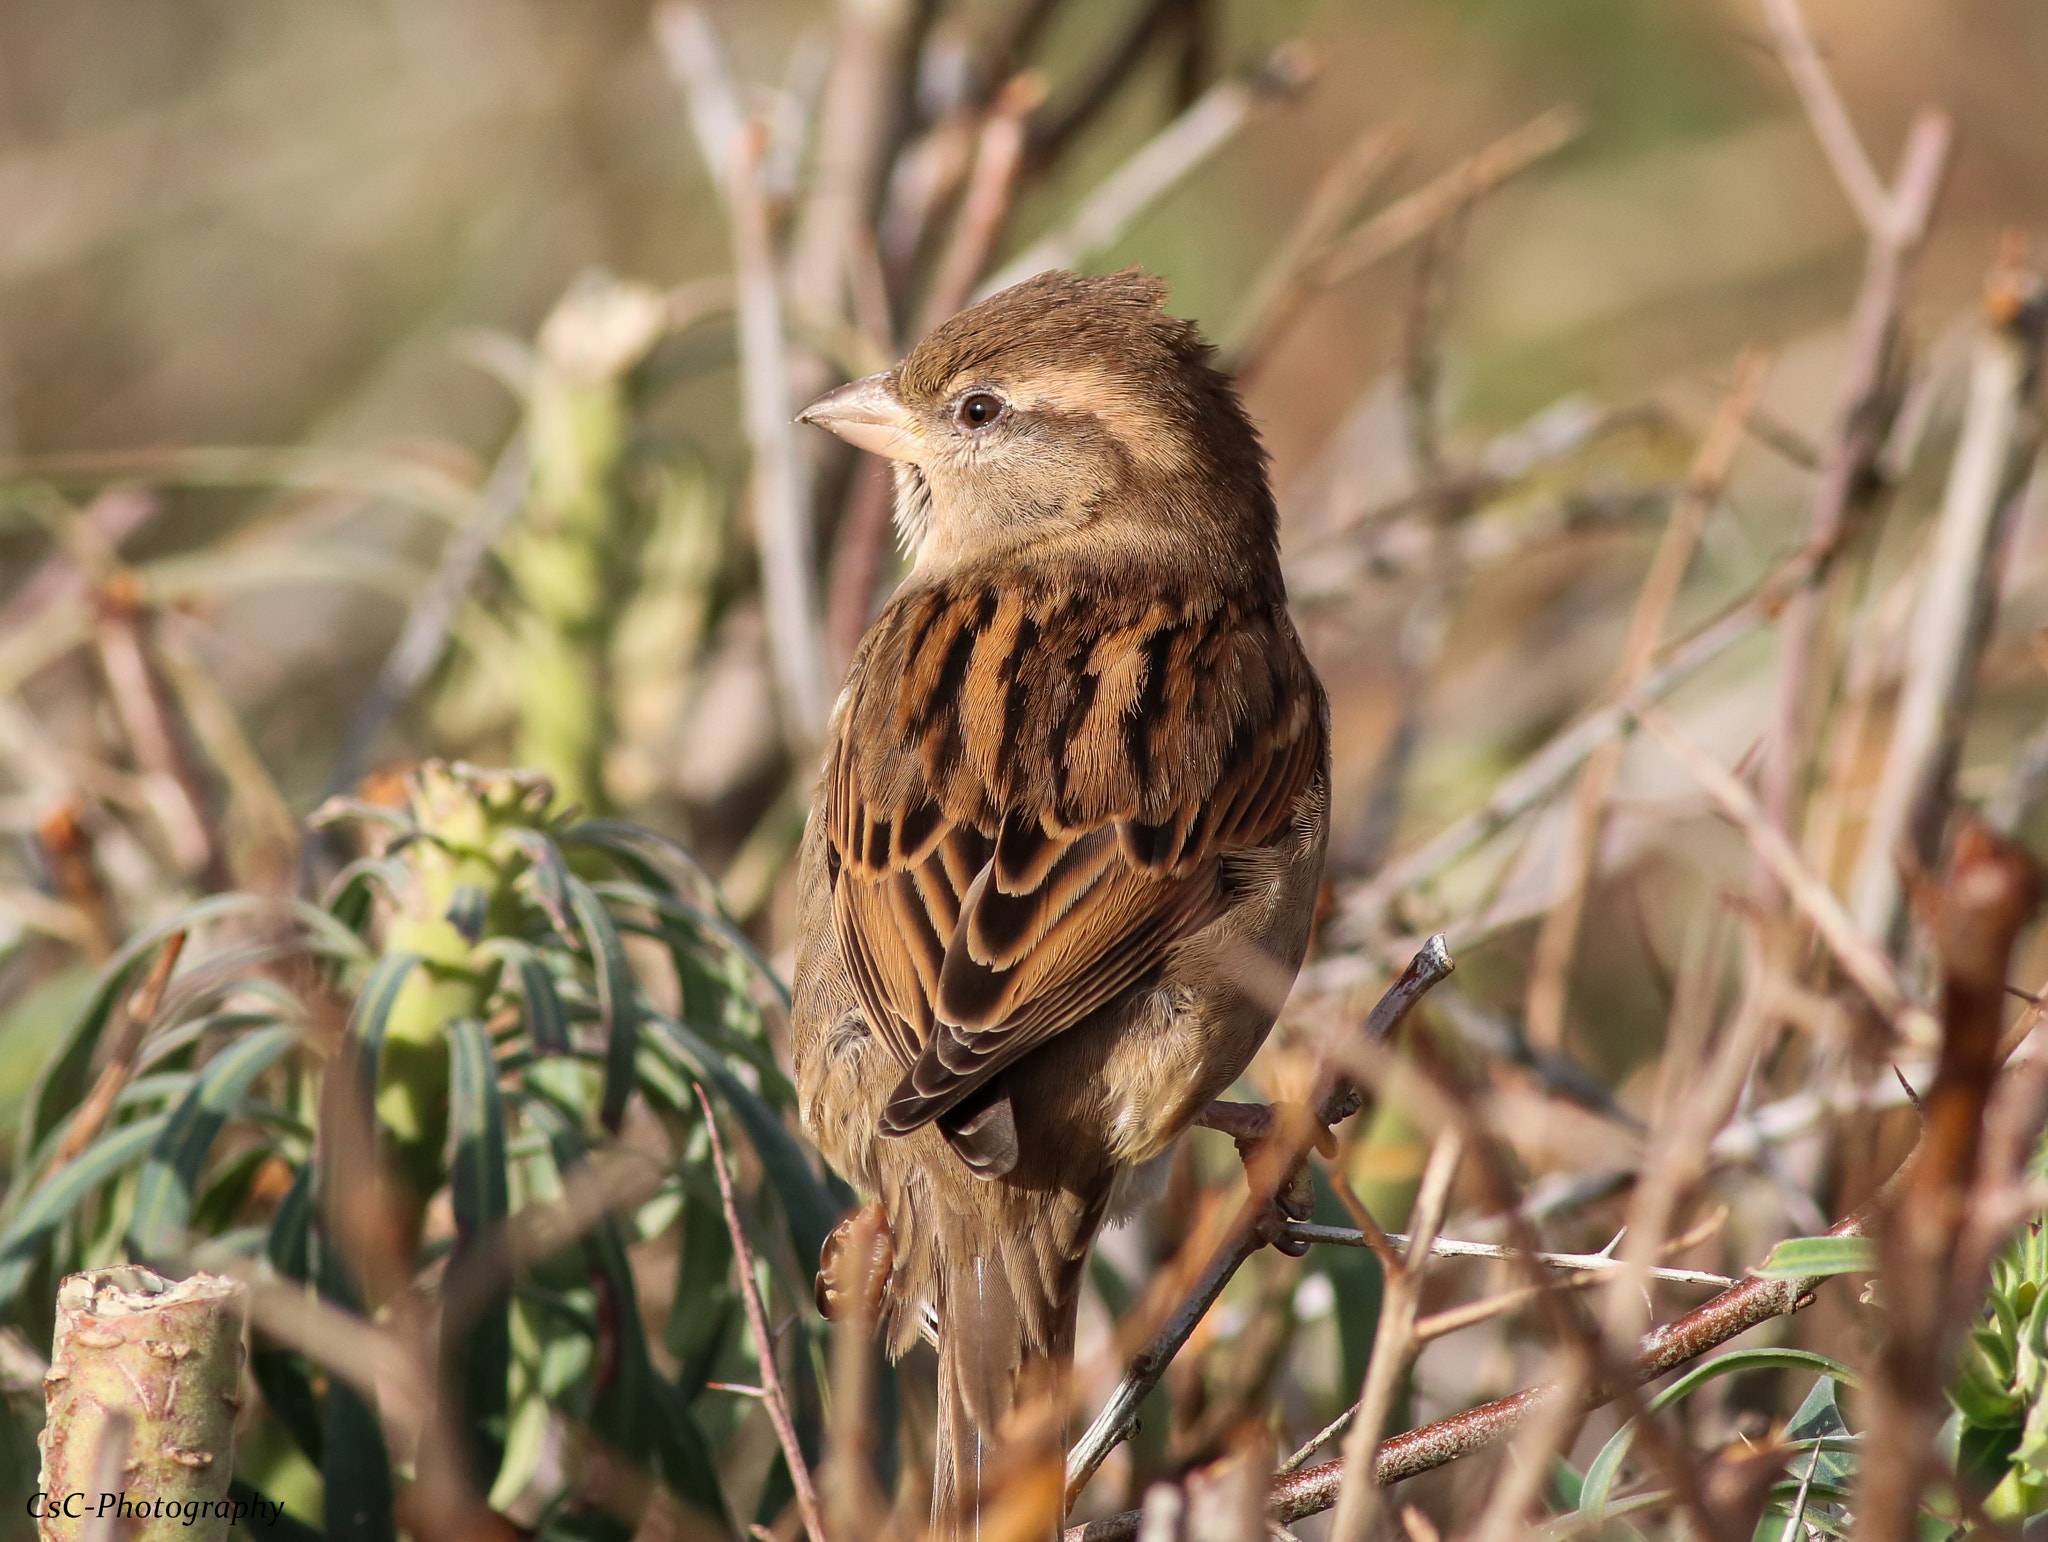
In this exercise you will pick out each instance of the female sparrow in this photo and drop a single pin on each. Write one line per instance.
(1060, 868)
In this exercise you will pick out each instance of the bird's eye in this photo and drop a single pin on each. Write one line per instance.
(978, 409)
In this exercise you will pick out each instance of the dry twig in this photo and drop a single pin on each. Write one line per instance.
(1847, 462)
(772, 1393)
(1557, 939)
(1953, 615)
(1337, 1098)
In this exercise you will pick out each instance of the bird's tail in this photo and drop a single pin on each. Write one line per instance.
(1004, 1355)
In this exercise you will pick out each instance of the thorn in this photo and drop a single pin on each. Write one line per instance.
(1911, 1096)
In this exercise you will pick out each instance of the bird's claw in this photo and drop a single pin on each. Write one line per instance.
(841, 1280)
(1252, 1126)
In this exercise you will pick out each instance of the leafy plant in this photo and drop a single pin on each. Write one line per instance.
(524, 986)
(2000, 1391)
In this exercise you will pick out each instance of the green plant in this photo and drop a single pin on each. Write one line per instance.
(526, 988)
(2000, 1391)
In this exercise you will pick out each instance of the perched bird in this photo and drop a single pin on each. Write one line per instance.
(1061, 864)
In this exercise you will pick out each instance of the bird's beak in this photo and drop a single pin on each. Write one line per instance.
(868, 413)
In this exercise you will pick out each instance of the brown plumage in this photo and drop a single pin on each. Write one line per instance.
(1064, 853)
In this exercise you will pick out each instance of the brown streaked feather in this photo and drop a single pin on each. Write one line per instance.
(1030, 795)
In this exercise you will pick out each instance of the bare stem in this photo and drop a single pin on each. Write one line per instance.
(1557, 939)
(1337, 1098)
(1663, 1349)
(772, 1393)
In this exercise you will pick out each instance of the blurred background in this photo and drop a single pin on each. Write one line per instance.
(371, 388)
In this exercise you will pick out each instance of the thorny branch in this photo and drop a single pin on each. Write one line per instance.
(1336, 1099)
(1443, 1441)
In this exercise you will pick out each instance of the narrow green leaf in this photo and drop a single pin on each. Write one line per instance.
(349, 895)
(281, 1374)
(1753, 1360)
(638, 1413)
(478, 1351)
(547, 1020)
(1606, 1465)
(810, 1208)
(355, 1466)
(643, 853)
(355, 1471)
(618, 1011)
(548, 877)
(163, 1199)
(1799, 1258)
(363, 1043)
(275, 1524)
(705, 1307)
(50, 1203)
(703, 921)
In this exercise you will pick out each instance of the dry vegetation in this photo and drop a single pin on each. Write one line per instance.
(400, 389)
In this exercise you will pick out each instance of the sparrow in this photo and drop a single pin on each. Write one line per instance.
(1063, 856)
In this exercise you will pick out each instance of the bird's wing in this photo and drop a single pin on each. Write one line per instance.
(1027, 799)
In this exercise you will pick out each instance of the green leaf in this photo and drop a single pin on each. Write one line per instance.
(1606, 1464)
(275, 1524)
(809, 1207)
(705, 1306)
(348, 898)
(363, 1042)
(163, 1199)
(478, 1352)
(702, 921)
(355, 1471)
(1565, 1482)
(355, 1466)
(1799, 1258)
(281, 1374)
(1819, 1418)
(638, 1413)
(618, 1010)
(642, 852)
(51, 1202)
(547, 1020)
(548, 877)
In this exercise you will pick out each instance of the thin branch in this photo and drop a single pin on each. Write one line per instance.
(772, 1393)
(697, 62)
(424, 637)
(1952, 619)
(1336, 1099)
(1557, 939)
(1393, 1344)
(1450, 1247)
(991, 185)
(1057, 127)
(780, 494)
(1830, 119)
(1662, 1350)
(1849, 459)
(1861, 959)
(1161, 162)
(1406, 220)
(124, 634)
(1539, 777)
(137, 1019)
(1288, 279)
(856, 114)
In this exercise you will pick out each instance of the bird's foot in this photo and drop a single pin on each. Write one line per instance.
(847, 1283)
(1268, 1135)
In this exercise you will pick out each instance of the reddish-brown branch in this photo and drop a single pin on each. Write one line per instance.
(1434, 1445)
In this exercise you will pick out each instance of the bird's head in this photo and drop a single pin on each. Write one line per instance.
(1064, 409)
